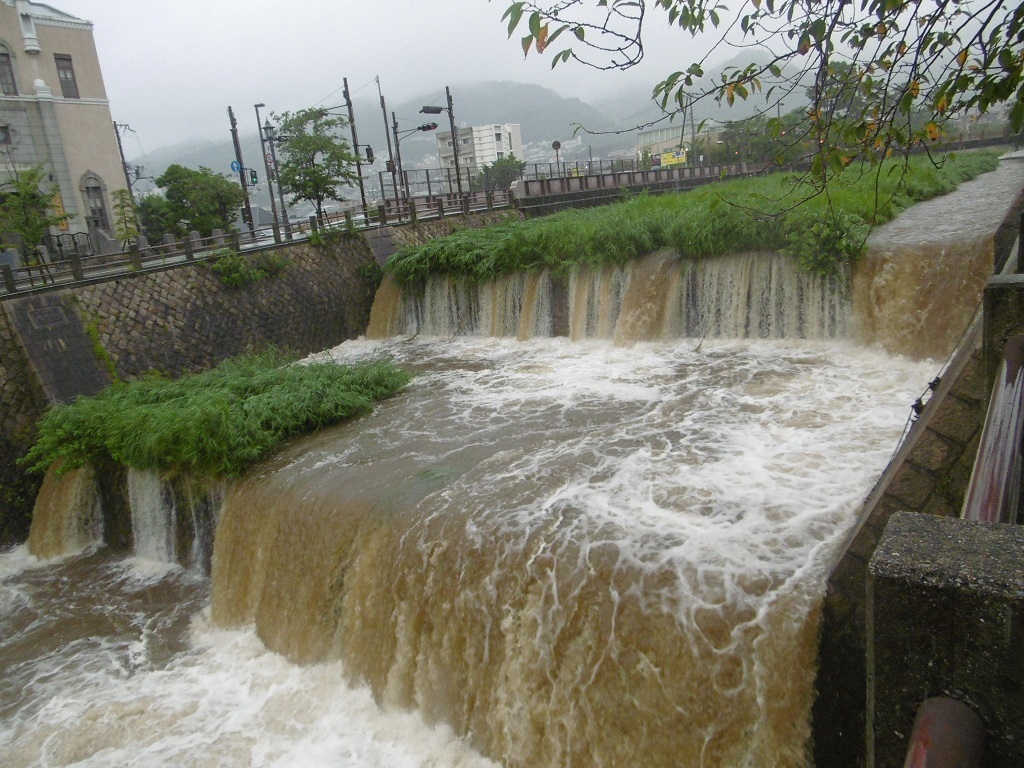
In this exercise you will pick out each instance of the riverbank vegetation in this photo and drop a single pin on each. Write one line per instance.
(779, 212)
(215, 423)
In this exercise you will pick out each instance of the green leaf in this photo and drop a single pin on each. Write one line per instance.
(578, 32)
(535, 24)
(513, 13)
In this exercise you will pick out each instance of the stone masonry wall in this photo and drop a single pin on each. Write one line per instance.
(424, 231)
(184, 320)
(22, 403)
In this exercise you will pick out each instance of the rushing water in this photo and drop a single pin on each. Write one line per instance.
(554, 553)
(604, 549)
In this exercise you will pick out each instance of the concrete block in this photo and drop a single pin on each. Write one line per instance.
(946, 617)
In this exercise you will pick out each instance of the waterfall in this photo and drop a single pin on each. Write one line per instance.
(153, 516)
(572, 553)
(67, 516)
(659, 297)
(594, 531)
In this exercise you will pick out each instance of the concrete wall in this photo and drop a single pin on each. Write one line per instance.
(946, 618)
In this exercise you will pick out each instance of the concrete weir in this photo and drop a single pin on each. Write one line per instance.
(928, 475)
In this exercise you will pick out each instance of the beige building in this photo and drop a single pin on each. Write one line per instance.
(54, 111)
(480, 145)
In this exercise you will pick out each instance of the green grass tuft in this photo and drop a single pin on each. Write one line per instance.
(776, 213)
(215, 423)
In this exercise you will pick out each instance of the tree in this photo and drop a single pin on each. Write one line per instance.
(500, 174)
(200, 200)
(156, 217)
(27, 207)
(126, 217)
(872, 65)
(316, 161)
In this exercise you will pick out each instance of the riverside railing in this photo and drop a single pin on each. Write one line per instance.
(49, 273)
(993, 495)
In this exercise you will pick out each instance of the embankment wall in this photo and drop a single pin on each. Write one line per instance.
(183, 319)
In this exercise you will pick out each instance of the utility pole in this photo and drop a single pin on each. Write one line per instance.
(455, 139)
(120, 151)
(355, 141)
(241, 172)
(272, 141)
(266, 165)
(387, 133)
(398, 157)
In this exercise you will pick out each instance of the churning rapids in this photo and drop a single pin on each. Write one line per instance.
(554, 553)
(607, 551)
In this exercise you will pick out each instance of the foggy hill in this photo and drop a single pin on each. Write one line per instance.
(544, 116)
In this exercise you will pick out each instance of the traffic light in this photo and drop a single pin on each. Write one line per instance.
(252, 177)
(369, 155)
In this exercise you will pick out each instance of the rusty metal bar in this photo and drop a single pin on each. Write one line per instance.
(947, 734)
(993, 495)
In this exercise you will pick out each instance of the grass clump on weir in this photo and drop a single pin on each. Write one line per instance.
(214, 423)
(779, 212)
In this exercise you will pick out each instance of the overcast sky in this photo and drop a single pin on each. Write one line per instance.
(172, 67)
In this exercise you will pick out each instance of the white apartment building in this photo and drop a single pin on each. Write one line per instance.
(480, 145)
(54, 112)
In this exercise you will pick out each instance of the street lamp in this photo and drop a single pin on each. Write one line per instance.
(398, 147)
(268, 131)
(266, 165)
(431, 110)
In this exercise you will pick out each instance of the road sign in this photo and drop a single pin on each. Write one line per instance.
(236, 166)
(269, 158)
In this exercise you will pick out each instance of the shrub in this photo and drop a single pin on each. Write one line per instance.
(236, 270)
(214, 423)
(779, 212)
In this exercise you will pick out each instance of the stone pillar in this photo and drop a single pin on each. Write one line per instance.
(946, 618)
(1004, 317)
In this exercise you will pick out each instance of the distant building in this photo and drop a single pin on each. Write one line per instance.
(54, 111)
(480, 145)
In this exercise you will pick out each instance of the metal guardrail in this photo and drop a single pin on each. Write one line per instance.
(993, 495)
(51, 274)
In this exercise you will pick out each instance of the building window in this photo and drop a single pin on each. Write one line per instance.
(7, 82)
(497, 137)
(66, 75)
(95, 204)
(501, 155)
(5, 135)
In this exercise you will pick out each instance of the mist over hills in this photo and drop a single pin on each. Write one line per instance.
(545, 116)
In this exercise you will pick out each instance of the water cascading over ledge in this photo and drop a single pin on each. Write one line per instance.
(660, 296)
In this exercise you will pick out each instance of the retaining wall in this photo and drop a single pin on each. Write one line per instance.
(182, 320)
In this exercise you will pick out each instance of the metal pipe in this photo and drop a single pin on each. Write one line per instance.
(993, 495)
(947, 734)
